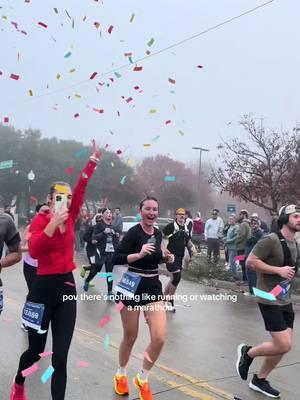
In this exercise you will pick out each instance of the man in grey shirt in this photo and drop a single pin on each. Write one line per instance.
(11, 238)
(118, 221)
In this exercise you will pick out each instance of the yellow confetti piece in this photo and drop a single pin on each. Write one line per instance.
(72, 70)
(174, 107)
(181, 133)
(30, 92)
(61, 188)
(77, 96)
(58, 76)
(4, 17)
(130, 162)
(152, 111)
(97, 25)
(132, 17)
(147, 144)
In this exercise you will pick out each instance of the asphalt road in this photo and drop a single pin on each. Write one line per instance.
(197, 362)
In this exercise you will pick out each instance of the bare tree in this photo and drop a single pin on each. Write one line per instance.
(262, 171)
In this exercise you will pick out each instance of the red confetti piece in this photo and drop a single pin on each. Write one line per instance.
(172, 81)
(137, 69)
(136, 87)
(76, 115)
(94, 74)
(104, 321)
(119, 152)
(110, 29)
(43, 25)
(24, 33)
(15, 77)
(14, 24)
(33, 199)
(98, 110)
(127, 54)
(6, 120)
(168, 122)
(199, 66)
(69, 170)
(129, 99)
(148, 52)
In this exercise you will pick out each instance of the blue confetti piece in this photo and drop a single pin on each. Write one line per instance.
(41, 332)
(263, 294)
(123, 180)
(170, 178)
(106, 342)
(68, 54)
(47, 374)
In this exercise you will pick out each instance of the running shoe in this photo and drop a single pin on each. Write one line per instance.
(86, 286)
(145, 391)
(243, 361)
(121, 385)
(17, 392)
(82, 271)
(263, 386)
(24, 327)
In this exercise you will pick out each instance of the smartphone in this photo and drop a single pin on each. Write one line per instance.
(60, 202)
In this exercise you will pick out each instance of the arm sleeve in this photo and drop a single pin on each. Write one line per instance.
(38, 240)
(263, 248)
(124, 249)
(80, 189)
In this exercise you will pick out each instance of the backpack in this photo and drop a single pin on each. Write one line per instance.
(287, 252)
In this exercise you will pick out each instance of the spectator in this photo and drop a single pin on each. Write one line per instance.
(256, 234)
(263, 225)
(274, 224)
(189, 221)
(213, 233)
(198, 224)
(118, 222)
(7, 210)
(243, 236)
(232, 233)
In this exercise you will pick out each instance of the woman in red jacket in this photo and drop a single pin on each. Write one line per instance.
(52, 244)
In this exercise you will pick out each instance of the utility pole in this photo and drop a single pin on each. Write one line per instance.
(200, 165)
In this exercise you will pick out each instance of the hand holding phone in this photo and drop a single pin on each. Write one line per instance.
(60, 202)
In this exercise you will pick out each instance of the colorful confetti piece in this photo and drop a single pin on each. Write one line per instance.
(137, 69)
(58, 76)
(129, 99)
(43, 25)
(30, 370)
(181, 132)
(118, 75)
(47, 374)
(72, 70)
(168, 122)
(68, 54)
(6, 120)
(110, 29)
(199, 66)
(155, 138)
(30, 93)
(97, 25)
(170, 178)
(152, 111)
(132, 17)
(83, 364)
(106, 342)
(263, 294)
(70, 284)
(14, 77)
(123, 180)
(46, 354)
(94, 74)
(76, 115)
(172, 81)
(104, 321)
(150, 42)
(147, 144)
(277, 290)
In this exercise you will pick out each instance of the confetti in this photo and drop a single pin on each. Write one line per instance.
(112, 164)
(168, 122)
(118, 75)
(155, 138)
(170, 178)
(127, 54)
(30, 370)
(147, 145)
(150, 43)
(47, 374)
(137, 69)
(6, 120)
(119, 306)
(94, 74)
(106, 342)
(41, 332)
(104, 321)
(84, 18)
(152, 111)
(119, 152)
(43, 25)
(72, 70)
(55, 10)
(148, 52)
(83, 364)
(46, 354)
(97, 25)
(172, 81)
(30, 93)
(110, 29)
(77, 96)
(129, 99)
(199, 66)
(146, 355)
(123, 180)
(58, 76)
(263, 294)
(15, 77)
(76, 115)
(276, 291)
(132, 17)
(73, 23)
(181, 133)
(174, 107)
(130, 60)
(70, 170)
(68, 54)
(240, 257)
(68, 14)
(70, 284)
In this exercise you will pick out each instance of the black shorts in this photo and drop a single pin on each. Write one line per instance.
(148, 291)
(277, 318)
(177, 264)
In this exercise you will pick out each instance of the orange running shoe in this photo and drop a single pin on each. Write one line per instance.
(144, 388)
(121, 385)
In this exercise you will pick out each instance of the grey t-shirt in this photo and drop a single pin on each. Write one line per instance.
(8, 233)
(269, 250)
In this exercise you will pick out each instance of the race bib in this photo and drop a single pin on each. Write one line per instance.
(33, 315)
(128, 284)
(109, 248)
(1, 299)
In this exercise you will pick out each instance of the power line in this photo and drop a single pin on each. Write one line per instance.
(172, 46)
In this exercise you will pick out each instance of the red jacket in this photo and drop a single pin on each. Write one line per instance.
(55, 254)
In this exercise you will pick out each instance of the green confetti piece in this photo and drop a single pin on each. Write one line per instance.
(150, 43)
(118, 75)
(132, 17)
(68, 54)
(106, 342)
(130, 60)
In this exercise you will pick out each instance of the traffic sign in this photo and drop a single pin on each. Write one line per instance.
(231, 208)
(6, 164)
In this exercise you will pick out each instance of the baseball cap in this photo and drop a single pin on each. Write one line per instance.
(289, 209)
(180, 211)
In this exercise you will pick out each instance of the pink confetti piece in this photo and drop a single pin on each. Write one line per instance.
(148, 52)
(137, 69)
(15, 77)
(94, 74)
(277, 290)
(119, 306)
(43, 25)
(76, 115)
(240, 258)
(46, 354)
(168, 122)
(199, 66)
(129, 99)
(83, 364)
(172, 81)
(6, 120)
(70, 170)
(30, 370)
(70, 284)
(110, 29)
(146, 355)
(136, 88)
(104, 321)
(127, 54)
(119, 152)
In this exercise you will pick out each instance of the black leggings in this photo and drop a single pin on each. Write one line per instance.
(95, 268)
(29, 274)
(49, 290)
